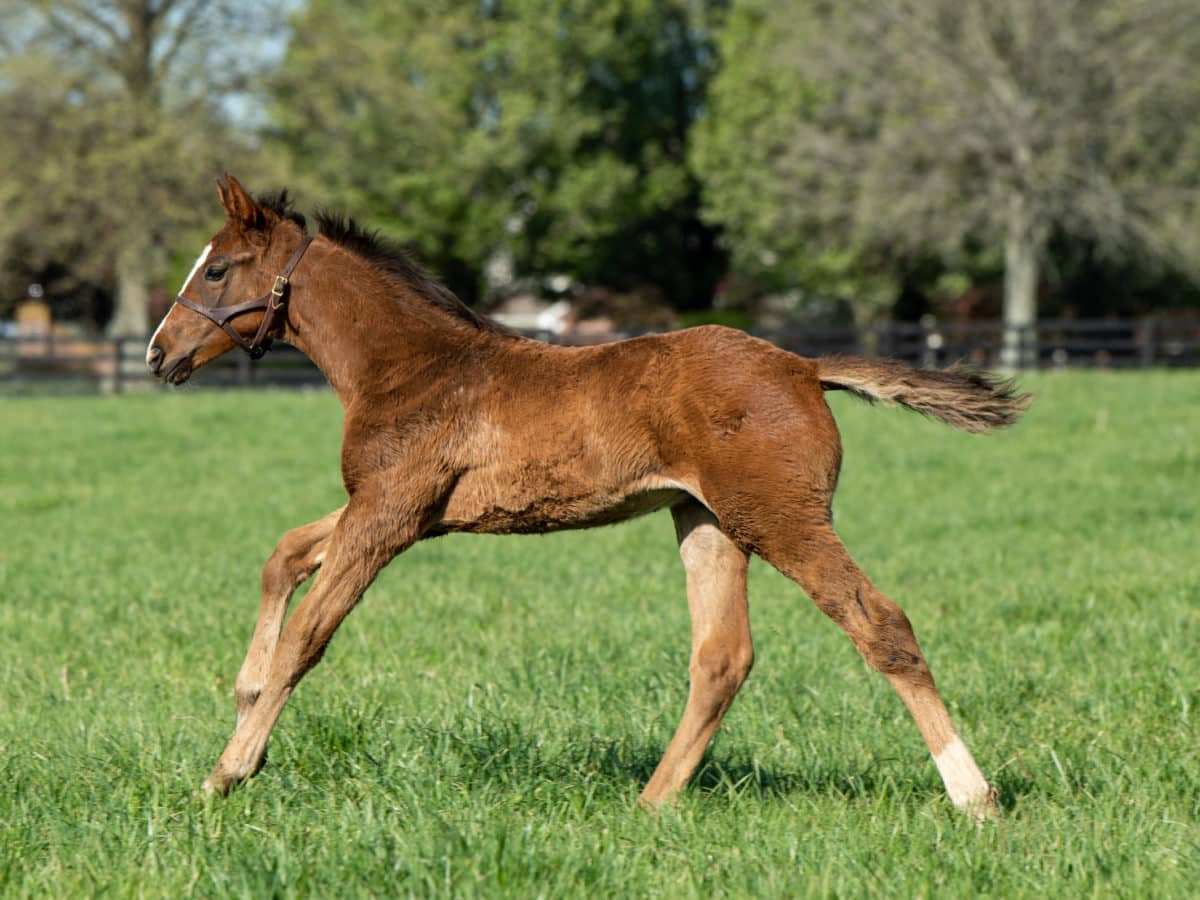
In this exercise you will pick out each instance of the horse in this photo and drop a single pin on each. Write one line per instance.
(454, 423)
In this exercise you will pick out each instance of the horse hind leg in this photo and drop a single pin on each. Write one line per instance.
(299, 554)
(722, 653)
(883, 635)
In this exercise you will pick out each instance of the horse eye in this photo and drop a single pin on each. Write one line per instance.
(214, 273)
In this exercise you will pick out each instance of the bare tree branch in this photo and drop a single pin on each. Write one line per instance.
(108, 99)
(189, 17)
(88, 13)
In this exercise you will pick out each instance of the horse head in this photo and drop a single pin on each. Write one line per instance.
(236, 293)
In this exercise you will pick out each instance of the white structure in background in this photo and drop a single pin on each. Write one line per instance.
(499, 272)
(527, 313)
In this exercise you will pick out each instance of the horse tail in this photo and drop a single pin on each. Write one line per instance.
(960, 396)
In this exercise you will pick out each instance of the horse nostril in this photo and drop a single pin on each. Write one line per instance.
(154, 357)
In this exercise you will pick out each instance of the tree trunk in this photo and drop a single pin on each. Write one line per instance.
(1021, 253)
(131, 315)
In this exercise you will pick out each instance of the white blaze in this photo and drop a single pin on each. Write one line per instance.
(192, 274)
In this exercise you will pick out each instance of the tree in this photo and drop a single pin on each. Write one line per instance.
(911, 127)
(115, 117)
(546, 135)
(739, 151)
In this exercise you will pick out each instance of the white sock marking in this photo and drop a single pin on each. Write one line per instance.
(964, 782)
(192, 274)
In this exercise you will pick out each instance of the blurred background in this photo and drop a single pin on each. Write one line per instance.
(1015, 182)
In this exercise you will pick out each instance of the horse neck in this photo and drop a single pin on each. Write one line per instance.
(366, 332)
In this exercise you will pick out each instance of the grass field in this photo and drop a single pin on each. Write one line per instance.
(483, 722)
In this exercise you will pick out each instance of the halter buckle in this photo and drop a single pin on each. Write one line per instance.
(281, 284)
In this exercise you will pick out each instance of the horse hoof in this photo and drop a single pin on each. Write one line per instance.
(985, 807)
(216, 785)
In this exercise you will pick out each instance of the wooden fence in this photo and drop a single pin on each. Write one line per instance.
(114, 365)
(1078, 343)
(118, 365)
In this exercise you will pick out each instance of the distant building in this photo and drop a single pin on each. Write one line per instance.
(525, 312)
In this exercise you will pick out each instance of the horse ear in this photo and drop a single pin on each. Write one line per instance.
(239, 205)
(223, 193)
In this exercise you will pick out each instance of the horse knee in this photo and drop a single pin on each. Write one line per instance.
(288, 566)
(247, 692)
(277, 574)
(722, 665)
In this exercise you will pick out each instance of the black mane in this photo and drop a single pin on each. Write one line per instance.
(385, 256)
(280, 203)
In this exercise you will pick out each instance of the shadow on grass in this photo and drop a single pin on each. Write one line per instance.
(721, 776)
(508, 753)
(487, 752)
(1013, 788)
(493, 754)
(490, 751)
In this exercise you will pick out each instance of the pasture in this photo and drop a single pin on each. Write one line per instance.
(482, 723)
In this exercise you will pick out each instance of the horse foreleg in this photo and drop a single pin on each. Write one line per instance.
(721, 649)
(297, 556)
(373, 528)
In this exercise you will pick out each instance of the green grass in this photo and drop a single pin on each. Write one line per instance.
(483, 722)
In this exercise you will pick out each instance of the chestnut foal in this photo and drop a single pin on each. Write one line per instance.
(453, 423)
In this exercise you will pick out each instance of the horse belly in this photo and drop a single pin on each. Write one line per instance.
(476, 506)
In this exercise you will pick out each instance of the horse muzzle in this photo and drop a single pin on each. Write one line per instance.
(172, 371)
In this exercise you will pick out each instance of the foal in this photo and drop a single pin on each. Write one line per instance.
(452, 423)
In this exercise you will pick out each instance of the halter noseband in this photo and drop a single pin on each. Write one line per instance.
(270, 303)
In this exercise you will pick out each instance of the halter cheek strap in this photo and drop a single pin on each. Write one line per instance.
(271, 303)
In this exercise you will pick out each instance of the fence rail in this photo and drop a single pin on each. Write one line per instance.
(1095, 343)
(116, 365)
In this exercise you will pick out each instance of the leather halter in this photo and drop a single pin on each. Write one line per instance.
(270, 303)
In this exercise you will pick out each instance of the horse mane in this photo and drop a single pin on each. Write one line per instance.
(280, 203)
(385, 256)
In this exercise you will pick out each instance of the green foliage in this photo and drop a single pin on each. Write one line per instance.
(753, 106)
(848, 143)
(483, 721)
(549, 133)
(856, 151)
(111, 130)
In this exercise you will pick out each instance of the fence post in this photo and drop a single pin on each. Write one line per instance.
(243, 370)
(1149, 332)
(118, 363)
